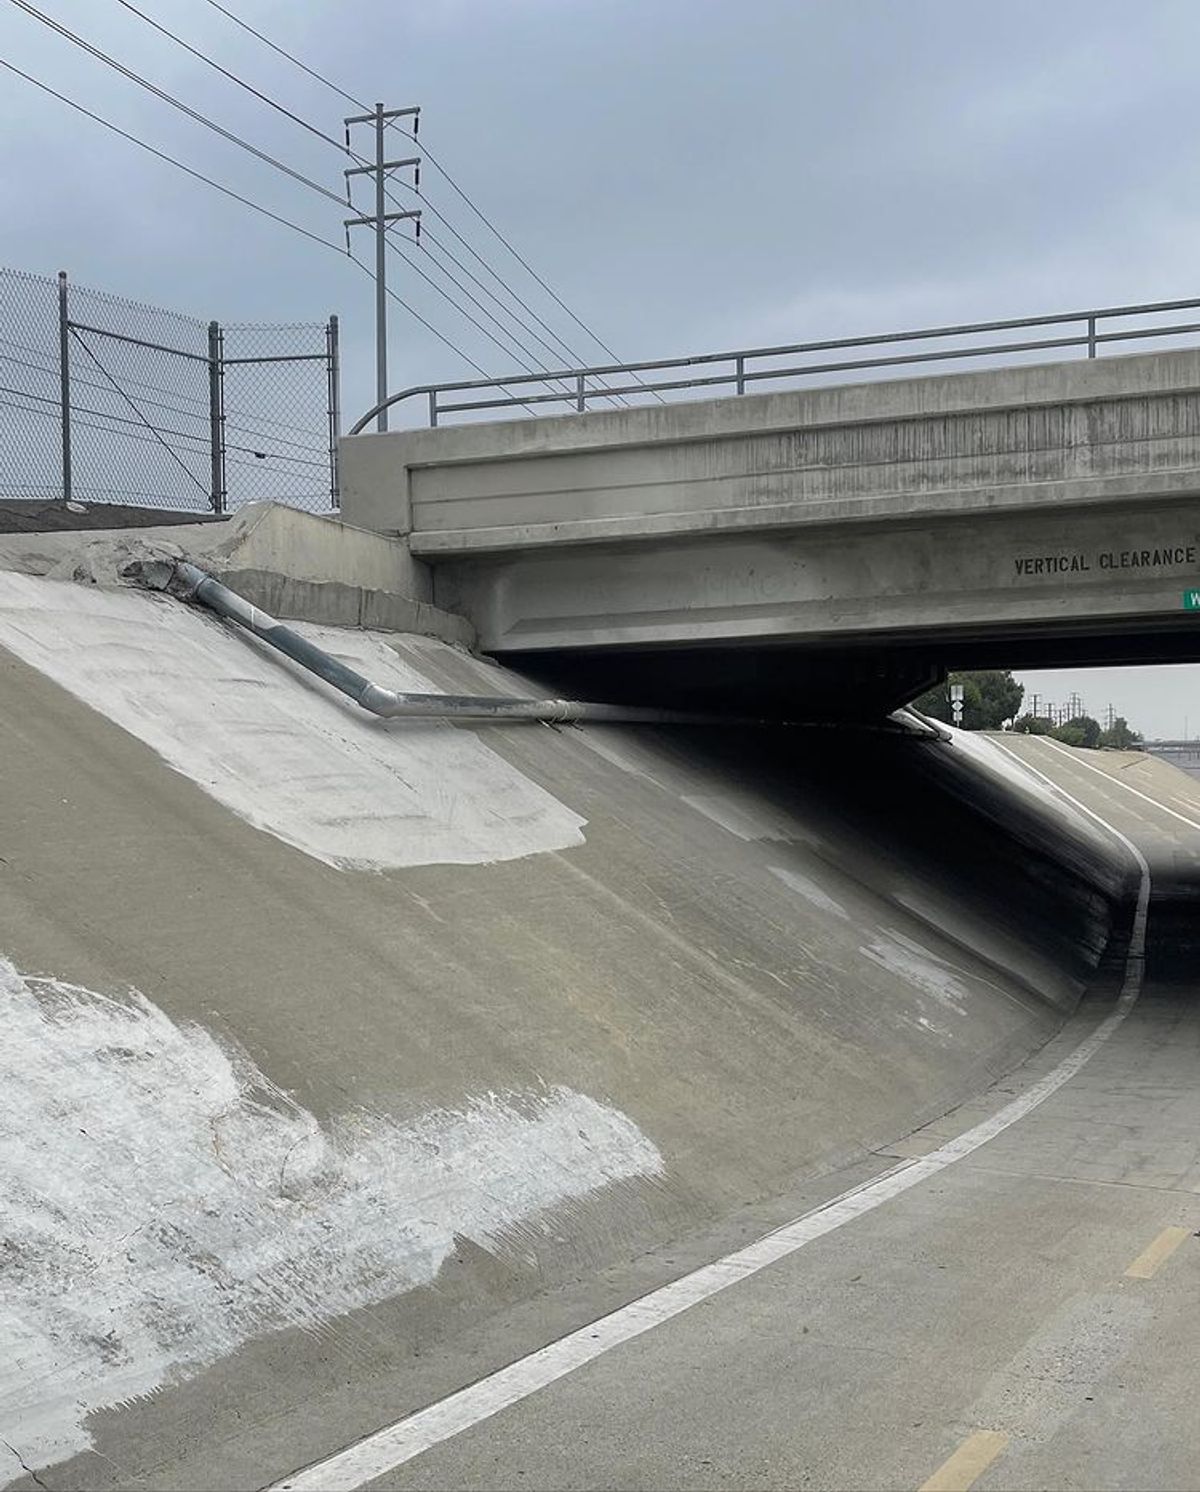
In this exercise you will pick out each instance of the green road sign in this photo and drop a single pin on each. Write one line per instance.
(1191, 600)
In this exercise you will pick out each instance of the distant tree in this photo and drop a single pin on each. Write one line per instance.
(990, 697)
(1081, 731)
(1119, 736)
(1034, 725)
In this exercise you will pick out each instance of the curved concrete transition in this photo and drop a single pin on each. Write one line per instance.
(346, 1062)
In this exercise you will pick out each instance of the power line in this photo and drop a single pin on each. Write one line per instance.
(517, 255)
(237, 197)
(169, 98)
(571, 353)
(229, 135)
(233, 77)
(449, 253)
(330, 140)
(321, 78)
(303, 66)
(408, 259)
(228, 191)
(430, 327)
(428, 238)
(170, 159)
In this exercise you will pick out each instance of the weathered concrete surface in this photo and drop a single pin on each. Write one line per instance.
(1058, 435)
(293, 564)
(1052, 508)
(1041, 1292)
(772, 954)
(929, 584)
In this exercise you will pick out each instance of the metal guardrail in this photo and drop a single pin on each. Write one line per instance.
(578, 387)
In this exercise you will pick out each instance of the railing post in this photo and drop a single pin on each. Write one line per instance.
(1091, 336)
(64, 381)
(335, 409)
(433, 409)
(216, 417)
(740, 380)
(580, 395)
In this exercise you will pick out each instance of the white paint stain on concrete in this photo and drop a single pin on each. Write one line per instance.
(161, 1202)
(920, 968)
(806, 887)
(279, 749)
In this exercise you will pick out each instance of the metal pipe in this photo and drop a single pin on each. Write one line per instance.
(190, 583)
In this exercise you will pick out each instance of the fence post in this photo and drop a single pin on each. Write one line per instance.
(64, 380)
(433, 409)
(335, 410)
(1091, 336)
(216, 415)
(580, 395)
(740, 375)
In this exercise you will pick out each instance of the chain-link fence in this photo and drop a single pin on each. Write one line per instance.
(104, 399)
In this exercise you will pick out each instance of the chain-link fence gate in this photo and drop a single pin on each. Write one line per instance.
(103, 399)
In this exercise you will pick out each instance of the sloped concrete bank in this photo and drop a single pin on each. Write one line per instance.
(350, 1059)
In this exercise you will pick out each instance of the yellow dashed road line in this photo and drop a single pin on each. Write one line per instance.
(968, 1463)
(1153, 1257)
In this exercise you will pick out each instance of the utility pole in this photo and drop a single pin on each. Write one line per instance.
(379, 220)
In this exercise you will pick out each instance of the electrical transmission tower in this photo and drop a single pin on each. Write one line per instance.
(379, 220)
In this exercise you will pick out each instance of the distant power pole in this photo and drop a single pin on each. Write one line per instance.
(379, 220)
(1110, 717)
(1034, 701)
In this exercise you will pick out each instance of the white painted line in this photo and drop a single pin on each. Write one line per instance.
(408, 1438)
(1137, 792)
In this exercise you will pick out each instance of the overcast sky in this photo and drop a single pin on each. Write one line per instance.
(686, 174)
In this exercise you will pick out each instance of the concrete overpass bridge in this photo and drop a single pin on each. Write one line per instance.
(1182, 754)
(845, 543)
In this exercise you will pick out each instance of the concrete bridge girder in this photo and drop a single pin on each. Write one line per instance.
(1043, 513)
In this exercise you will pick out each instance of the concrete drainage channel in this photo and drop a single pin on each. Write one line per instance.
(644, 999)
